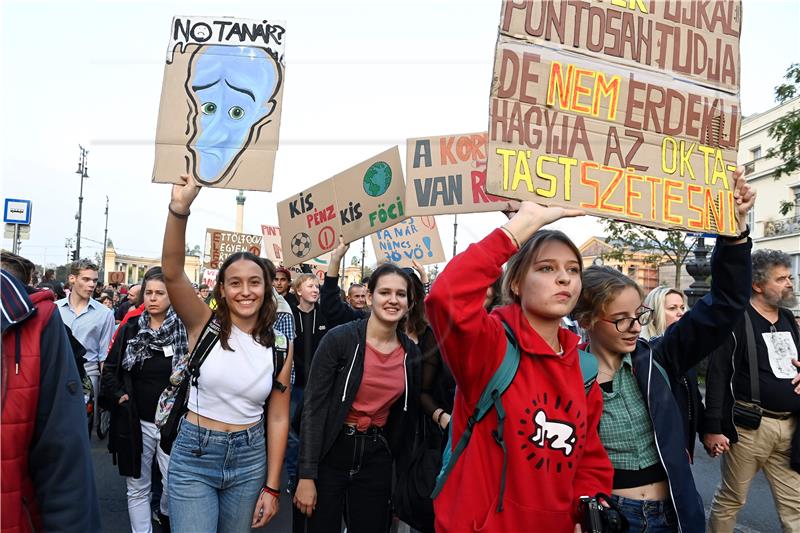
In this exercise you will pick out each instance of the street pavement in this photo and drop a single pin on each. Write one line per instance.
(758, 515)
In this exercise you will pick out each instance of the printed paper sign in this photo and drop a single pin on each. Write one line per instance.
(221, 102)
(354, 203)
(448, 175)
(220, 244)
(210, 277)
(414, 238)
(602, 127)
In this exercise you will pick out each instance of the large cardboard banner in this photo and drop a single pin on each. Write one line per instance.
(220, 244)
(273, 249)
(221, 102)
(414, 238)
(447, 174)
(604, 128)
(354, 203)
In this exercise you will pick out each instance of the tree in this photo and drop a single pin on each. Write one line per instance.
(786, 129)
(654, 247)
(196, 251)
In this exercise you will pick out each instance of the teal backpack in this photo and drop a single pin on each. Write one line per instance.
(491, 398)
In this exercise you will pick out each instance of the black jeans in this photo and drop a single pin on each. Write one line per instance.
(354, 480)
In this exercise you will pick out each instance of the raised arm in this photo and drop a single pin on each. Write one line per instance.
(704, 327)
(192, 311)
(335, 310)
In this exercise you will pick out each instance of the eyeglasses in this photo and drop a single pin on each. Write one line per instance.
(625, 324)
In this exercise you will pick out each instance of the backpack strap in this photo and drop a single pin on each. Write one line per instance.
(280, 351)
(490, 398)
(205, 343)
(589, 368)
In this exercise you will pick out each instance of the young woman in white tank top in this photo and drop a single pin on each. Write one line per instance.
(219, 479)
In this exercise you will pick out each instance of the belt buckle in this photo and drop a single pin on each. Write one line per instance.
(349, 430)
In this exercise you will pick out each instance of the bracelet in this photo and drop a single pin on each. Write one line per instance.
(435, 416)
(176, 214)
(439, 418)
(272, 492)
(511, 236)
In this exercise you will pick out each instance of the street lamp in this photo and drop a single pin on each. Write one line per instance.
(83, 172)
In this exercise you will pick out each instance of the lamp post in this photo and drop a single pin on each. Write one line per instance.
(699, 268)
(83, 172)
(455, 231)
(105, 245)
(363, 252)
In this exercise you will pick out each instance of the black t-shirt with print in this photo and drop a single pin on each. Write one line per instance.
(777, 393)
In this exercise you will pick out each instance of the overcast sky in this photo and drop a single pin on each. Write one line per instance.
(361, 76)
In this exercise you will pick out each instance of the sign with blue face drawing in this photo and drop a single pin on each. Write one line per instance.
(221, 102)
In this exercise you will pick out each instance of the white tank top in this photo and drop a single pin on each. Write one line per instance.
(234, 385)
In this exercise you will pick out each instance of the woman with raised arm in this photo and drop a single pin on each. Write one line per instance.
(525, 472)
(360, 408)
(642, 426)
(219, 479)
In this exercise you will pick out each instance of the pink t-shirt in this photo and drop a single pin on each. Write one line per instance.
(383, 383)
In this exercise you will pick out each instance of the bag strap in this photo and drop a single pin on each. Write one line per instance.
(755, 395)
(280, 351)
(499, 382)
(589, 368)
(205, 343)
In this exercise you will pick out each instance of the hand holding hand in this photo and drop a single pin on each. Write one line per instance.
(796, 379)
(122, 399)
(266, 509)
(716, 444)
(305, 497)
(183, 194)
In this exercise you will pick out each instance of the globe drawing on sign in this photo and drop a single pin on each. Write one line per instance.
(377, 178)
(301, 244)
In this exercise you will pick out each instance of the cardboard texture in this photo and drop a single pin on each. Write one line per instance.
(414, 238)
(273, 249)
(354, 203)
(618, 135)
(220, 244)
(447, 174)
(221, 102)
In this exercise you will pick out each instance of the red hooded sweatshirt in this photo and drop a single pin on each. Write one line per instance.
(554, 452)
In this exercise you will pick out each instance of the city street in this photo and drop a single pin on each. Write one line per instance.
(758, 515)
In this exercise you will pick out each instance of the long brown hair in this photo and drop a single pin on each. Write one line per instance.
(263, 333)
(601, 285)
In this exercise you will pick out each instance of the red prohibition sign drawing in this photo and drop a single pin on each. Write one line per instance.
(326, 238)
(428, 222)
(255, 249)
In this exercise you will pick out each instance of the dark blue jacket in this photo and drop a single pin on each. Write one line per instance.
(685, 343)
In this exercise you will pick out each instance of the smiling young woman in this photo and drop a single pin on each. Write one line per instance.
(226, 417)
(361, 403)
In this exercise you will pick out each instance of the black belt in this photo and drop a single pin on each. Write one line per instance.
(371, 431)
(776, 415)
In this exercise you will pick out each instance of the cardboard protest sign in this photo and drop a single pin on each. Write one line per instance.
(447, 174)
(414, 238)
(220, 244)
(354, 203)
(221, 102)
(579, 126)
(274, 250)
(209, 277)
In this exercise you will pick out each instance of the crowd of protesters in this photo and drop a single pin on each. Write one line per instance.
(466, 404)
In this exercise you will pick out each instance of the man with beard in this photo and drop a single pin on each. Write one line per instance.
(753, 423)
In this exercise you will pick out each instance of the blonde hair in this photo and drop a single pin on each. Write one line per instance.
(302, 278)
(656, 301)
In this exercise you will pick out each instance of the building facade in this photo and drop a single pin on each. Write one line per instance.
(134, 267)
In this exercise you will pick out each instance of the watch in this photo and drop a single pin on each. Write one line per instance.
(742, 235)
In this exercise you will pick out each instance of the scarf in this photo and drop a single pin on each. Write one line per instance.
(171, 333)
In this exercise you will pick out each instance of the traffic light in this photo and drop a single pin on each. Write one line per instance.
(74, 255)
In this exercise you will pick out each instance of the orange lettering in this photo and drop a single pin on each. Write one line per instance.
(669, 199)
(586, 180)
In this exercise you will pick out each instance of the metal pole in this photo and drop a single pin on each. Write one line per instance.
(363, 251)
(105, 244)
(455, 231)
(82, 172)
(342, 274)
(15, 244)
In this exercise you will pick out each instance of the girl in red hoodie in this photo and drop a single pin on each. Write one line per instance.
(550, 431)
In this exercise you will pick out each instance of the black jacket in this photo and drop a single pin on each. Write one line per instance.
(125, 432)
(319, 325)
(335, 310)
(334, 381)
(719, 385)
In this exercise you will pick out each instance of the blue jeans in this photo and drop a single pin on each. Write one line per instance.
(647, 515)
(218, 490)
(293, 445)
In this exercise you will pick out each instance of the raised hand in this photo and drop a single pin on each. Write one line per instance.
(744, 196)
(183, 194)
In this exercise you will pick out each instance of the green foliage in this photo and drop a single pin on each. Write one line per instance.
(654, 247)
(786, 130)
(785, 207)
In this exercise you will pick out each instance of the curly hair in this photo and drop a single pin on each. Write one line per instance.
(263, 333)
(765, 260)
(601, 285)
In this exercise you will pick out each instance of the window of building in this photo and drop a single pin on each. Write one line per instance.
(755, 153)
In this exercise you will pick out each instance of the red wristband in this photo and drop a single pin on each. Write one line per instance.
(271, 491)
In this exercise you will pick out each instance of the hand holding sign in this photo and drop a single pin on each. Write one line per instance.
(532, 216)
(184, 194)
(744, 196)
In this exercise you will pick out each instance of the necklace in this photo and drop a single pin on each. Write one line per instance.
(606, 373)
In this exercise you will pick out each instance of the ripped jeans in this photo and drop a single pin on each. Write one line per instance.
(354, 482)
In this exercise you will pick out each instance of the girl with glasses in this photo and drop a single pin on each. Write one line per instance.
(642, 425)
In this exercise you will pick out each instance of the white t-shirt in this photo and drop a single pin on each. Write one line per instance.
(234, 385)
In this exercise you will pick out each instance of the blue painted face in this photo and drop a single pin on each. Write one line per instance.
(233, 86)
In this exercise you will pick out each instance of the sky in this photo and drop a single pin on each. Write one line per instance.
(361, 76)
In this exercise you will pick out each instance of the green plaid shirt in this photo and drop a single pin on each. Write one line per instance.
(625, 427)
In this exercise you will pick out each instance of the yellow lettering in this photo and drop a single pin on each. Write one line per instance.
(522, 171)
(669, 169)
(685, 163)
(506, 153)
(547, 193)
(568, 163)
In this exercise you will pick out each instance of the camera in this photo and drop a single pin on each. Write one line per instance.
(597, 518)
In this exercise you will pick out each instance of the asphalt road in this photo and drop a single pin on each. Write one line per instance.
(758, 515)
